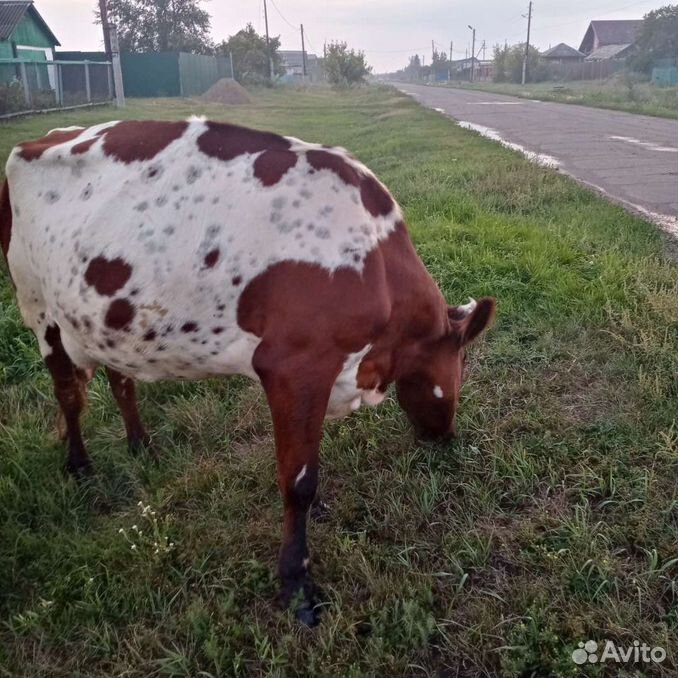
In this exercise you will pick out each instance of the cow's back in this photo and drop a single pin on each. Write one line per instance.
(138, 238)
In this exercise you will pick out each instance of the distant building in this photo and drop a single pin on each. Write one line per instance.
(24, 33)
(562, 54)
(484, 70)
(293, 61)
(461, 68)
(608, 40)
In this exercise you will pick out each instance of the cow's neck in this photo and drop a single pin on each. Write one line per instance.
(418, 313)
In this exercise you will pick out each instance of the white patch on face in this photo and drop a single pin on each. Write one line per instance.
(437, 391)
(300, 475)
(305, 563)
(373, 397)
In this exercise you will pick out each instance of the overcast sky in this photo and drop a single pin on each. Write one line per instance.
(388, 30)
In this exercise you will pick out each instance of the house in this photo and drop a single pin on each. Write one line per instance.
(562, 54)
(24, 33)
(610, 40)
(460, 69)
(484, 71)
(293, 61)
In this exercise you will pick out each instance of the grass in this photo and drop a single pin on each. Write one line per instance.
(552, 521)
(617, 94)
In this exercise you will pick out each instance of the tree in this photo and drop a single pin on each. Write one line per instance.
(658, 38)
(508, 64)
(440, 66)
(345, 67)
(160, 25)
(250, 56)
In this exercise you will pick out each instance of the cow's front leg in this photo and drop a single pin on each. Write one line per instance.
(298, 390)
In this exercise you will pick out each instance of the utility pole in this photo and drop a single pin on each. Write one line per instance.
(117, 69)
(303, 52)
(449, 70)
(268, 44)
(527, 44)
(483, 50)
(473, 52)
(103, 11)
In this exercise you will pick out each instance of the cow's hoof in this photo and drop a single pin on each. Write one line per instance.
(320, 511)
(138, 445)
(306, 614)
(80, 469)
(300, 596)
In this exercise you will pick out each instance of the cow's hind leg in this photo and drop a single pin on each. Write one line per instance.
(298, 400)
(68, 389)
(124, 392)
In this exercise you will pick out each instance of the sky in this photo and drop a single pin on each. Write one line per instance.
(389, 31)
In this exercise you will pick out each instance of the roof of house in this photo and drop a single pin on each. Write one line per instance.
(612, 32)
(464, 63)
(608, 52)
(562, 51)
(12, 12)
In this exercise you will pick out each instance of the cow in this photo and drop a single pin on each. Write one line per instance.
(194, 249)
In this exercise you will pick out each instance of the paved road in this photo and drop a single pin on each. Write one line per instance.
(631, 158)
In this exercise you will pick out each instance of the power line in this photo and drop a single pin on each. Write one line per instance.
(282, 16)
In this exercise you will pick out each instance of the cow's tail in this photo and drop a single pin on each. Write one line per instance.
(5, 218)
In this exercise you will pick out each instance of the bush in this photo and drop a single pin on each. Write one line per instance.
(344, 67)
(11, 98)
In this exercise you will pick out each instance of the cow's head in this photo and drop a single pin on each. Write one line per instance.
(433, 372)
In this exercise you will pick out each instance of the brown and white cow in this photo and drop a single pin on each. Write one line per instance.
(165, 250)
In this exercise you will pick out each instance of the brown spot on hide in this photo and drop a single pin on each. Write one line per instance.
(335, 163)
(270, 167)
(226, 142)
(119, 315)
(108, 276)
(211, 258)
(32, 150)
(375, 197)
(132, 140)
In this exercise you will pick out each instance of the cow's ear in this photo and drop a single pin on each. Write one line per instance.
(469, 321)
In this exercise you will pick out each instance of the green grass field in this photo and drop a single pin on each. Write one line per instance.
(615, 93)
(552, 521)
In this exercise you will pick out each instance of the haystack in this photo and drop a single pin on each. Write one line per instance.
(227, 92)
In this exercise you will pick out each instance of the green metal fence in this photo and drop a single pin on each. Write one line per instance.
(197, 73)
(665, 72)
(171, 74)
(151, 75)
(28, 85)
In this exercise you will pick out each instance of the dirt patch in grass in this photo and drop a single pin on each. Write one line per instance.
(227, 92)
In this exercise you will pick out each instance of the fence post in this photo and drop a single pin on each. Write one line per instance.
(117, 70)
(88, 89)
(109, 78)
(24, 82)
(60, 85)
